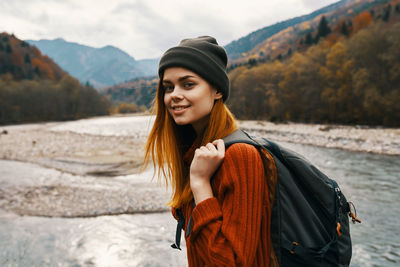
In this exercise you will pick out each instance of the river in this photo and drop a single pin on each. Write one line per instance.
(370, 181)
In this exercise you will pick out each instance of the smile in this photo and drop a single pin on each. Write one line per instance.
(177, 108)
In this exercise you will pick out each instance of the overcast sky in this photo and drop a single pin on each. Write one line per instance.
(145, 28)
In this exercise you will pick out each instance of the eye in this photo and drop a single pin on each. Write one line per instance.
(168, 87)
(188, 84)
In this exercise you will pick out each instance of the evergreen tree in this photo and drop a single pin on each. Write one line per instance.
(386, 14)
(344, 29)
(252, 62)
(27, 58)
(8, 49)
(323, 28)
(372, 12)
(309, 39)
(36, 70)
(397, 8)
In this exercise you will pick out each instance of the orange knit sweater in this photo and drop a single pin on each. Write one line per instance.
(232, 228)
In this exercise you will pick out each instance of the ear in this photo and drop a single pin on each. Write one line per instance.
(217, 95)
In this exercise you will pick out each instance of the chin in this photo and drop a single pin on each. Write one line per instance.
(181, 122)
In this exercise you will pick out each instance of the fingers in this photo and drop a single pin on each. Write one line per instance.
(216, 147)
(211, 147)
(219, 143)
(206, 160)
(207, 150)
(204, 149)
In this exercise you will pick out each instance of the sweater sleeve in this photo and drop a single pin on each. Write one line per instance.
(226, 228)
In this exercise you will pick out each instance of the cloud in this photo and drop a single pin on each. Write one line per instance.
(145, 29)
(157, 29)
(316, 4)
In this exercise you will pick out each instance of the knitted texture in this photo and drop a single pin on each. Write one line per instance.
(232, 228)
(202, 55)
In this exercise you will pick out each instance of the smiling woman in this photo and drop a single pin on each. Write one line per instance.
(219, 197)
(188, 97)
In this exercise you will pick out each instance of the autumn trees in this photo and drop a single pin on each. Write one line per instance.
(44, 100)
(355, 81)
(138, 91)
(33, 88)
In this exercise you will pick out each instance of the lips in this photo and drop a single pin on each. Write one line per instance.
(179, 109)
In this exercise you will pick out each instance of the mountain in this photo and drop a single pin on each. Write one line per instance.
(100, 67)
(248, 42)
(285, 37)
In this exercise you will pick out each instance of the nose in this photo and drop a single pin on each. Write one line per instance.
(176, 94)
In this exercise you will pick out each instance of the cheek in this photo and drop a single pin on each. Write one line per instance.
(206, 104)
(166, 99)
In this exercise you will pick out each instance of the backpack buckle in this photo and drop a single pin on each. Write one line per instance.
(294, 245)
(339, 229)
(352, 215)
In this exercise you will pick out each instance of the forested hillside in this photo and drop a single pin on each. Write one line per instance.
(242, 46)
(139, 91)
(298, 36)
(24, 61)
(353, 80)
(34, 88)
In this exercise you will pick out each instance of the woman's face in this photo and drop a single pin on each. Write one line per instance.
(188, 97)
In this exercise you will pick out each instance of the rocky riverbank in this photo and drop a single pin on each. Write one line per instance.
(77, 169)
(91, 167)
(354, 138)
(29, 189)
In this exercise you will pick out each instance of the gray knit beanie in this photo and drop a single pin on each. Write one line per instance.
(202, 55)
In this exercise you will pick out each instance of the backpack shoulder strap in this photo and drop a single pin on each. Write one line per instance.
(179, 227)
(239, 136)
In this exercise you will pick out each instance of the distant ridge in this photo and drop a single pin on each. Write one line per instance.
(100, 67)
(248, 42)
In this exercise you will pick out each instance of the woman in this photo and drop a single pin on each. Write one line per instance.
(221, 194)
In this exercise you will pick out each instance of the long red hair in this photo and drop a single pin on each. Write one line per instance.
(168, 142)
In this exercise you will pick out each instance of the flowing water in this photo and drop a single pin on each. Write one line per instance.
(371, 182)
(123, 240)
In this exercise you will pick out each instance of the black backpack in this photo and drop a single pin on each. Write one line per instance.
(310, 215)
(309, 220)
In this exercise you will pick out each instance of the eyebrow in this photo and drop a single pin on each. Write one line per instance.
(180, 79)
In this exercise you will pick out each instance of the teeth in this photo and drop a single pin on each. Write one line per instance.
(179, 108)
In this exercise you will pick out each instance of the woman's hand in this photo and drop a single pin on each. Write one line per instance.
(206, 161)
